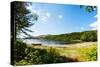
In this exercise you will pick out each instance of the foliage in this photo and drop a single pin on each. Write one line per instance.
(33, 56)
(74, 37)
(92, 54)
(23, 17)
(53, 55)
(19, 50)
(89, 8)
(81, 53)
(38, 56)
(89, 36)
(50, 56)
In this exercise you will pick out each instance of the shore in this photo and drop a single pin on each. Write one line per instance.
(77, 51)
(76, 45)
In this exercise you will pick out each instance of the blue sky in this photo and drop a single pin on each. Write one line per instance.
(61, 18)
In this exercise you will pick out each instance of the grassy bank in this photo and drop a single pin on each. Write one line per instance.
(81, 51)
(44, 54)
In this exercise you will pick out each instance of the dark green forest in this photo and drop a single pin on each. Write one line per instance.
(85, 36)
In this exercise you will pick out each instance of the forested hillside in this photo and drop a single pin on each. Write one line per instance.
(86, 36)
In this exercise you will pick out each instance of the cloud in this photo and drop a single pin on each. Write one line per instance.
(44, 18)
(34, 10)
(48, 14)
(43, 15)
(94, 25)
(60, 16)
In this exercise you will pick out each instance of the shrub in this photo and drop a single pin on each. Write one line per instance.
(33, 56)
(92, 54)
(19, 50)
(39, 56)
(50, 56)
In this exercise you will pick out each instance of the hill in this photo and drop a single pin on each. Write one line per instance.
(87, 36)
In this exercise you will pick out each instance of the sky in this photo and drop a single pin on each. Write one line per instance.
(61, 18)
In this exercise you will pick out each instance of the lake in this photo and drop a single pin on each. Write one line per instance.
(44, 42)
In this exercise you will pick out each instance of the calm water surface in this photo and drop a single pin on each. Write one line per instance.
(44, 42)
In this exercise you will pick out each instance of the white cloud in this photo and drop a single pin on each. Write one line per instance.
(94, 25)
(43, 15)
(44, 19)
(34, 10)
(48, 14)
(60, 16)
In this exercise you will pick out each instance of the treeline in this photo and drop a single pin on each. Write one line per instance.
(74, 36)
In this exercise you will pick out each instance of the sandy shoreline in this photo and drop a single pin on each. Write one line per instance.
(76, 45)
(84, 44)
(77, 50)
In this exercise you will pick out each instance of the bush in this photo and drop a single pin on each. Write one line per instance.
(92, 54)
(39, 56)
(19, 50)
(33, 56)
(50, 56)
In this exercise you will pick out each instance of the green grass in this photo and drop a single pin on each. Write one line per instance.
(88, 53)
(79, 52)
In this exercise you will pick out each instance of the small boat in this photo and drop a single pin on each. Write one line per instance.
(37, 44)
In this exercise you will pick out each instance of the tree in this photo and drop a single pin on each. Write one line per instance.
(89, 36)
(22, 20)
(23, 17)
(89, 8)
